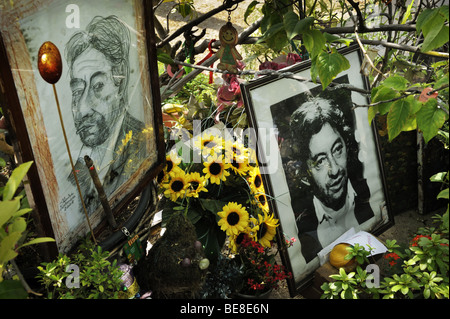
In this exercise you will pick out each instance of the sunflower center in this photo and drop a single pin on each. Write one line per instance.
(233, 218)
(240, 238)
(262, 199)
(262, 230)
(258, 181)
(209, 144)
(160, 177)
(215, 168)
(195, 185)
(177, 186)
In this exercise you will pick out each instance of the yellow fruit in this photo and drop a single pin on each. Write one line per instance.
(337, 256)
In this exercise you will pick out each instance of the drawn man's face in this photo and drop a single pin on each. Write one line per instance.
(328, 166)
(95, 97)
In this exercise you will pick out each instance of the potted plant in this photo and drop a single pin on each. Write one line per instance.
(261, 273)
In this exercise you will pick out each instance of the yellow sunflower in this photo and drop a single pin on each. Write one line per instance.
(172, 162)
(235, 149)
(216, 169)
(236, 240)
(176, 186)
(239, 165)
(196, 184)
(234, 218)
(261, 200)
(255, 180)
(209, 144)
(267, 229)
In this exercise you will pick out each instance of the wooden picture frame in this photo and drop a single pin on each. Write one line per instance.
(295, 167)
(110, 105)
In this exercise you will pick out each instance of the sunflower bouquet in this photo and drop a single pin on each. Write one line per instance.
(222, 193)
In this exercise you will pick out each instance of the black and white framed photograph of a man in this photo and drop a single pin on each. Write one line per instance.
(319, 154)
(324, 174)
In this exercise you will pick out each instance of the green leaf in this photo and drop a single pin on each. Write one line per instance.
(439, 177)
(314, 70)
(18, 225)
(396, 288)
(431, 23)
(303, 25)
(272, 31)
(314, 42)
(435, 39)
(275, 36)
(444, 10)
(434, 20)
(22, 212)
(7, 247)
(12, 289)
(185, 9)
(8, 208)
(329, 65)
(423, 17)
(371, 113)
(251, 7)
(443, 194)
(384, 94)
(38, 241)
(411, 124)
(427, 293)
(398, 117)
(290, 21)
(408, 12)
(2, 162)
(165, 58)
(396, 82)
(430, 119)
(15, 179)
(332, 38)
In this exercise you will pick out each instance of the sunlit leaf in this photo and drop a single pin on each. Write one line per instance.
(430, 119)
(251, 7)
(398, 117)
(314, 42)
(15, 179)
(329, 65)
(290, 21)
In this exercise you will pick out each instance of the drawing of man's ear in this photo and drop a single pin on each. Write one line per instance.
(120, 76)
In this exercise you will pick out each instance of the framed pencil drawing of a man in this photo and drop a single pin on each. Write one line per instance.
(109, 101)
(99, 68)
(325, 176)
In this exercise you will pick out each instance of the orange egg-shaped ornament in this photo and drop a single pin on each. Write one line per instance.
(337, 257)
(49, 62)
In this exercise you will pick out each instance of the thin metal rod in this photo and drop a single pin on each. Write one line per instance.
(71, 163)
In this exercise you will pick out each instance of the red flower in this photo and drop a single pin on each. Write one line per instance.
(393, 257)
(415, 241)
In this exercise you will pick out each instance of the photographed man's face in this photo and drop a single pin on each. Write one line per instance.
(328, 167)
(95, 97)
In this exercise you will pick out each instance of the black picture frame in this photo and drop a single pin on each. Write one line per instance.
(29, 107)
(272, 105)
